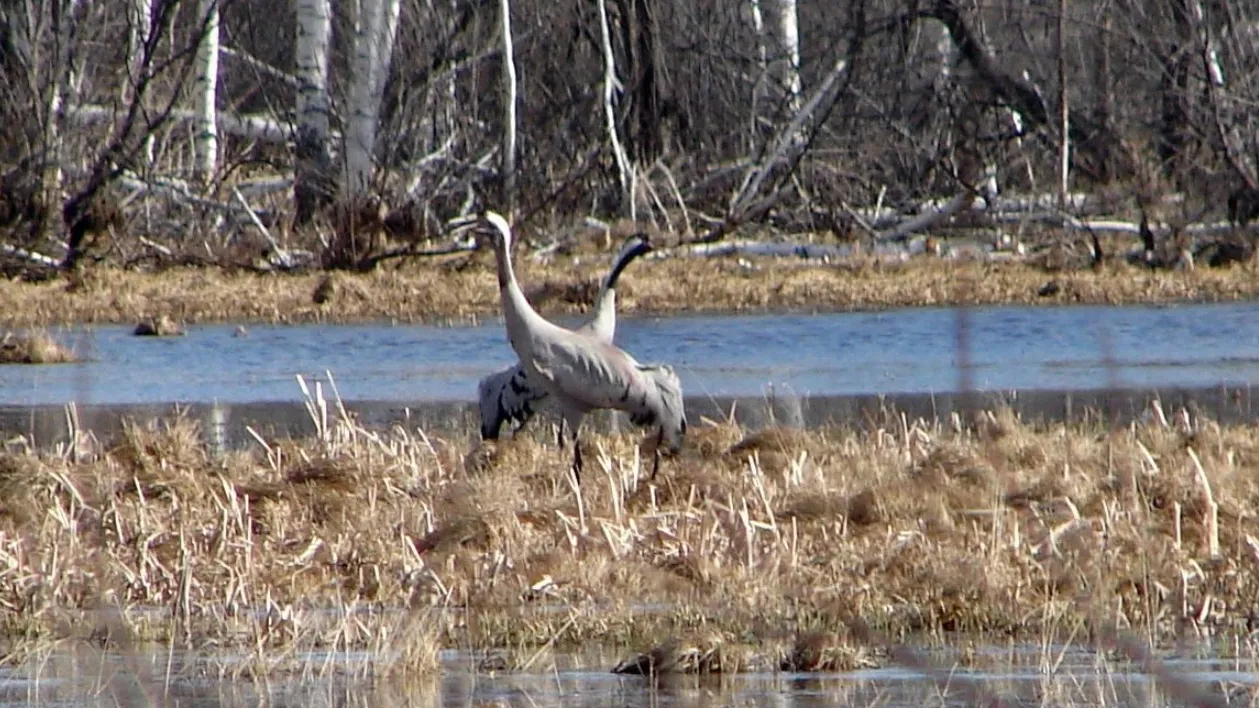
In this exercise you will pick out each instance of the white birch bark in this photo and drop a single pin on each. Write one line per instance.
(59, 85)
(1215, 70)
(785, 67)
(206, 142)
(374, 30)
(1064, 111)
(139, 26)
(361, 132)
(509, 122)
(314, 30)
(777, 29)
(387, 31)
(946, 55)
(612, 85)
(760, 87)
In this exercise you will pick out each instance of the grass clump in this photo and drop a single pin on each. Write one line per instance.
(752, 548)
(36, 347)
(162, 326)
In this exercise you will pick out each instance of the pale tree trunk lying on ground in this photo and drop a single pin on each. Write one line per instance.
(904, 238)
(251, 127)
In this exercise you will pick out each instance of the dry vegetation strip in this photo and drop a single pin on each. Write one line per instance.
(750, 545)
(463, 287)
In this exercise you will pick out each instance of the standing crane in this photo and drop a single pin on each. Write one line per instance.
(578, 370)
(508, 396)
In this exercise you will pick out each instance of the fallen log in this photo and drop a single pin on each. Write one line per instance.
(22, 254)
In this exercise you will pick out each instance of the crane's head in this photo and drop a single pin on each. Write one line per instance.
(495, 227)
(488, 227)
(636, 245)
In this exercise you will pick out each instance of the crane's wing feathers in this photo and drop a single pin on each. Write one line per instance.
(506, 395)
(670, 412)
(590, 374)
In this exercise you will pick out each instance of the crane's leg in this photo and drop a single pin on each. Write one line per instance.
(655, 466)
(572, 422)
(521, 425)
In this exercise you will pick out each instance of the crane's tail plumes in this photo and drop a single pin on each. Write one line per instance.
(505, 396)
(670, 414)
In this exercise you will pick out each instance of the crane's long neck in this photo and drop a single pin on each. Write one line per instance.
(518, 314)
(604, 322)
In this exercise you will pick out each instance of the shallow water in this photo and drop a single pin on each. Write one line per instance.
(894, 351)
(1019, 675)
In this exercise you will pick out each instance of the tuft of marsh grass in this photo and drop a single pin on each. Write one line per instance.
(752, 548)
(36, 347)
(161, 326)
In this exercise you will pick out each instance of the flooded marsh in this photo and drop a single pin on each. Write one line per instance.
(756, 551)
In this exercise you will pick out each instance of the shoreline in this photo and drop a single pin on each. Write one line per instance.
(227, 426)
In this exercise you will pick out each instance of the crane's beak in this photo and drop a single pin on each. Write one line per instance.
(461, 224)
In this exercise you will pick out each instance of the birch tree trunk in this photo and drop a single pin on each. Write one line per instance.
(777, 87)
(784, 27)
(206, 142)
(611, 86)
(139, 26)
(314, 183)
(1064, 109)
(509, 122)
(63, 26)
(760, 88)
(374, 30)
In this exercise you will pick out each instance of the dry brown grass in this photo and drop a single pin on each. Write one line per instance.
(36, 347)
(459, 288)
(356, 538)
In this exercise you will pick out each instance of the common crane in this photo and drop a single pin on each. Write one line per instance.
(508, 396)
(581, 372)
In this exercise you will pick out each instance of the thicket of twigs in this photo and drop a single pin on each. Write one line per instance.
(897, 104)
